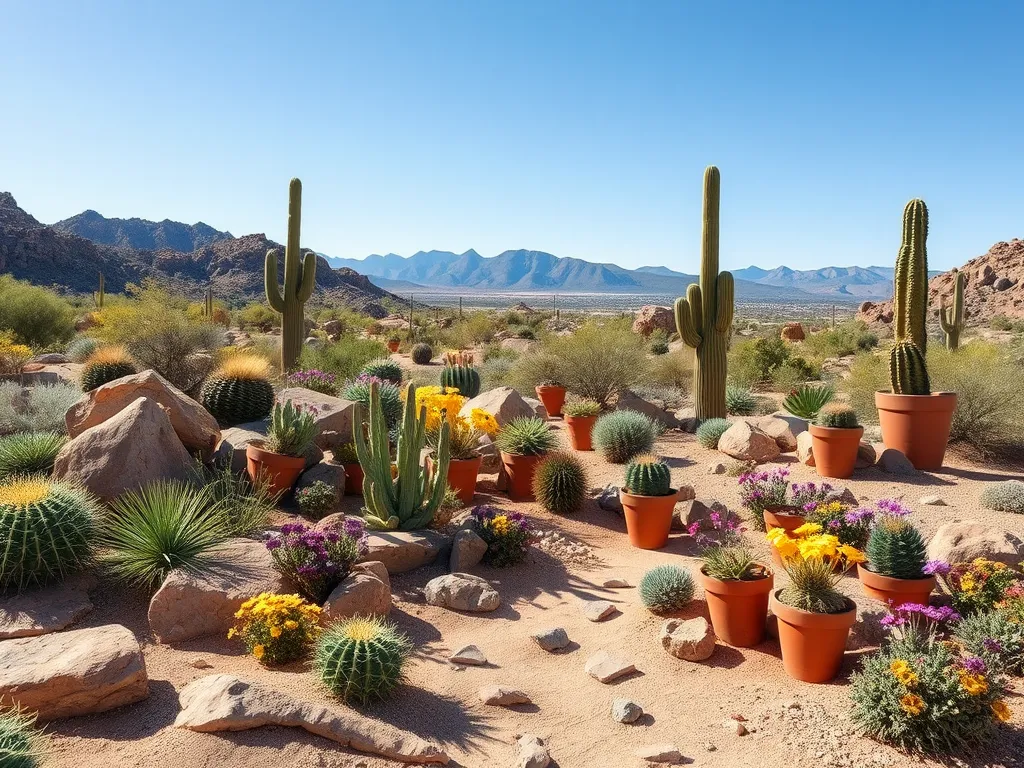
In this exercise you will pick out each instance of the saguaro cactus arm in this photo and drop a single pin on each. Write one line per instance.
(726, 293)
(951, 319)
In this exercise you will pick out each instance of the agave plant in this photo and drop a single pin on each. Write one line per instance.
(805, 401)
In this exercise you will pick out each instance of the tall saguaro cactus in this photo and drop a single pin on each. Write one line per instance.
(299, 277)
(951, 319)
(907, 370)
(704, 317)
(208, 304)
(100, 295)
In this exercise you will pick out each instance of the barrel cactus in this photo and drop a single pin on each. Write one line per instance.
(837, 416)
(422, 354)
(648, 476)
(361, 659)
(384, 368)
(621, 435)
(239, 391)
(896, 549)
(22, 745)
(666, 588)
(951, 319)
(908, 372)
(560, 483)
(463, 377)
(105, 365)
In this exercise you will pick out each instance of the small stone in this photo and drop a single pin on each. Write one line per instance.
(468, 549)
(626, 711)
(717, 468)
(502, 696)
(690, 640)
(686, 492)
(201, 664)
(666, 754)
(866, 455)
(895, 463)
(532, 752)
(616, 584)
(470, 655)
(553, 639)
(606, 667)
(735, 726)
(608, 499)
(710, 747)
(932, 501)
(597, 610)
(462, 592)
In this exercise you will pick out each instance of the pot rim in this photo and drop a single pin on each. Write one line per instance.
(624, 494)
(801, 618)
(522, 455)
(740, 586)
(890, 393)
(879, 579)
(259, 451)
(833, 430)
(569, 418)
(549, 386)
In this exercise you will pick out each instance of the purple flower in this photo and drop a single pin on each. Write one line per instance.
(991, 645)
(858, 516)
(892, 507)
(936, 613)
(975, 665)
(892, 620)
(936, 567)
(693, 528)
(273, 544)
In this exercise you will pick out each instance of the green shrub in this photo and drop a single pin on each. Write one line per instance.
(345, 358)
(793, 372)
(497, 372)
(621, 435)
(647, 475)
(525, 436)
(22, 745)
(422, 354)
(675, 370)
(709, 432)
(1003, 323)
(257, 317)
(317, 500)
(534, 369)
(82, 348)
(239, 391)
(560, 483)
(37, 409)
(38, 317)
(666, 588)
(245, 506)
(753, 361)
(847, 338)
(361, 659)
(740, 401)
(1005, 496)
(806, 400)
(659, 347)
(29, 452)
(868, 374)
(385, 368)
(105, 365)
(995, 637)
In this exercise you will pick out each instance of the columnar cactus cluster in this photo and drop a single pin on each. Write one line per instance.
(951, 319)
(704, 317)
(908, 372)
(100, 295)
(463, 377)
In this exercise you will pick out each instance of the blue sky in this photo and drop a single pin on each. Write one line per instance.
(578, 128)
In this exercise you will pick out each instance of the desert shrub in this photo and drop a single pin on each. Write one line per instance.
(348, 319)
(37, 317)
(560, 483)
(244, 505)
(385, 368)
(666, 588)
(996, 637)
(740, 401)
(538, 367)
(13, 356)
(1006, 496)
(1003, 323)
(621, 435)
(753, 361)
(239, 391)
(847, 338)
(22, 745)
(794, 371)
(868, 374)
(317, 500)
(496, 372)
(478, 328)
(709, 432)
(29, 452)
(81, 348)
(257, 317)
(106, 364)
(673, 370)
(318, 381)
(38, 409)
(507, 535)
(316, 561)
(361, 659)
(343, 358)
(659, 347)
(670, 397)
(422, 354)
(276, 629)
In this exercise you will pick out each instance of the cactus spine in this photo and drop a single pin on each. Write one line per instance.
(99, 295)
(463, 377)
(907, 370)
(951, 319)
(299, 278)
(704, 317)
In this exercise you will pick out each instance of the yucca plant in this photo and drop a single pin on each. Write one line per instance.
(239, 391)
(22, 745)
(166, 525)
(422, 354)
(28, 453)
(361, 659)
(47, 529)
(666, 588)
(647, 475)
(805, 401)
(525, 436)
(292, 429)
(837, 416)
(710, 431)
(385, 368)
(740, 401)
(621, 435)
(560, 483)
(105, 365)
(358, 391)
(896, 549)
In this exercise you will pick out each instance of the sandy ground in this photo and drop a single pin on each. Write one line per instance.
(686, 703)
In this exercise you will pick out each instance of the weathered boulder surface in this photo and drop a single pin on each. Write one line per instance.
(651, 318)
(747, 442)
(45, 609)
(334, 416)
(965, 540)
(462, 592)
(366, 591)
(690, 640)
(630, 401)
(402, 551)
(792, 332)
(503, 402)
(468, 549)
(780, 431)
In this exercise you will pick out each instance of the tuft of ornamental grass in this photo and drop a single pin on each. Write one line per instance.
(245, 505)
(22, 744)
(29, 453)
(740, 401)
(710, 432)
(525, 436)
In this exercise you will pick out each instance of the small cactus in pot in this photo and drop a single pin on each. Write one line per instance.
(648, 500)
(835, 440)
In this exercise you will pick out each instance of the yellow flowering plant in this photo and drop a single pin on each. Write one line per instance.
(815, 562)
(979, 585)
(13, 356)
(276, 629)
(444, 404)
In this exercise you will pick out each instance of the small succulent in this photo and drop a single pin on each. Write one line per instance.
(580, 409)
(836, 416)
(896, 549)
(647, 475)
(666, 588)
(710, 430)
(422, 354)
(805, 401)
(1005, 496)
(621, 435)
(346, 454)
(740, 401)
(525, 436)
(361, 659)
(384, 368)
(292, 429)
(317, 500)
(560, 483)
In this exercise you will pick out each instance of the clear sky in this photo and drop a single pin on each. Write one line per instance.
(578, 128)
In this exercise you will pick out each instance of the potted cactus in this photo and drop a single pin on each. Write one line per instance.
(552, 394)
(347, 457)
(281, 458)
(648, 500)
(914, 420)
(835, 440)
(580, 416)
(523, 443)
(897, 570)
(393, 341)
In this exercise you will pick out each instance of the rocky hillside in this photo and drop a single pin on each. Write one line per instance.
(140, 234)
(994, 285)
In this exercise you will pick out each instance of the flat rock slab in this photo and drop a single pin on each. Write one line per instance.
(665, 754)
(552, 639)
(334, 416)
(190, 605)
(462, 592)
(597, 610)
(607, 667)
(227, 703)
(470, 655)
(502, 696)
(45, 610)
(79, 672)
(402, 551)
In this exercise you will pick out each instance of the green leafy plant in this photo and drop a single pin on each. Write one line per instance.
(580, 409)
(385, 368)
(421, 354)
(37, 316)
(754, 362)
(709, 432)
(732, 562)
(560, 483)
(740, 401)
(47, 528)
(105, 365)
(837, 416)
(361, 659)
(996, 637)
(659, 347)
(647, 475)
(666, 588)
(807, 400)
(29, 452)
(525, 436)
(1004, 496)
(239, 391)
(896, 548)
(621, 435)
(292, 429)
(22, 745)
(317, 500)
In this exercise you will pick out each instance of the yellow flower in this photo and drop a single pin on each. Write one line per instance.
(775, 534)
(807, 529)
(912, 704)
(500, 525)
(232, 632)
(967, 583)
(276, 631)
(899, 666)
(852, 554)
(291, 624)
(257, 651)
(787, 548)
(974, 685)
(1001, 711)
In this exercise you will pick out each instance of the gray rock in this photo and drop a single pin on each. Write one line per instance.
(502, 696)
(665, 754)
(686, 492)
(597, 610)
(43, 610)
(538, 408)
(470, 655)
(747, 442)
(796, 425)
(932, 501)
(965, 540)
(503, 402)
(616, 584)
(334, 416)
(687, 419)
(780, 431)
(1003, 283)
(231, 450)
(609, 500)
(689, 640)
(626, 711)
(51, 358)
(717, 468)
(551, 639)
(468, 549)
(462, 592)
(866, 455)
(606, 667)
(895, 463)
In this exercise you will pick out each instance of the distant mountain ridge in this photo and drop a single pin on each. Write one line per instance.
(141, 234)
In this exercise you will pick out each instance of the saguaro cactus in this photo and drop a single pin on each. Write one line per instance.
(99, 295)
(704, 317)
(907, 370)
(208, 304)
(951, 319)
(299, 277)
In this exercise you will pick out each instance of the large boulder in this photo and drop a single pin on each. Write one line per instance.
(366, 591)
(747, 442)
(781, 431)
(190, 605)
(503, 402)
(792, 332)
(195, 427)
(334, 416)
(965, 540)
(129, 450)
(402, 551)
(78, 672)
(233, 442)
(630, 401)
(462, 592)
(651, 318)
(43, 610)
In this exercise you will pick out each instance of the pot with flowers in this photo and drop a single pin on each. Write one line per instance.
(552, 394)
(347, 457)
(648, 500)
(736, 586)
(579, 416)
(835, 440)
(897, 570)
(394, 340)
(814, 618)
(765, 495)
(281, 457)
(523, 442)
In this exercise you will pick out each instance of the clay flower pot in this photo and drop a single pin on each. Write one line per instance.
(280, 471)
(739, 609)
(916, 425)
(393, 346)
(835, 449)
(461, 476)
(579, 429)
(519, 475)
(895, 592)
(354, 478)
(813, 644)
(786, 517)
(648, 518)
(553, 396)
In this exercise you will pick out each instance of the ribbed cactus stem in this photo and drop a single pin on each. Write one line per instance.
(208, 304)
(910, 302)
(908, 372)
(951, 319)
(648, 476)
(462, 377)
(299, 279)
(98, 296)
(704, 317)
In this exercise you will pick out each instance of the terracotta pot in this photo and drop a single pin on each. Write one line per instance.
(354, 479)
(281, 471)
(553, 396)
(461, 476)
(579, 429)
(835, 449)
(785, 517)
(739, 609)
(895, 592)
(393, 346)
(648, 518)
(813, 644)
(519, 475)
(917, 425)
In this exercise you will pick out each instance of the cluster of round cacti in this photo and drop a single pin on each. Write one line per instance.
(105, 365)
(666, 588)
(422, 354)
(463, 377)
(26, 453)
(46, 530)
(22, 745)
(81, 348)
(560, 483)
(385, 369)
(239, 391)
(647, 475)
(711, 430)
(836, 416)
(361, 659)
(621, 435)
(896, 549)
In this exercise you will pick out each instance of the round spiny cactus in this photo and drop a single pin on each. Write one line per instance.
(239, 391)
(462, 377)
(666, 588)
(896, 549)
(22, 745)
(26, 453)
(361, 659)
(621, 435)
(560, 483)
(422, 354)
(390, 399)
(46, 530)
(711, 430)
(648, 475)
(104, 365)
(385, 368)
(836, 416)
